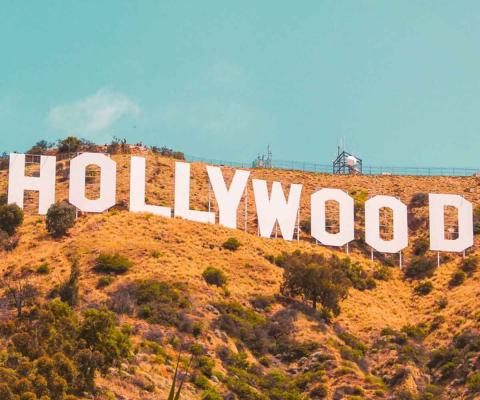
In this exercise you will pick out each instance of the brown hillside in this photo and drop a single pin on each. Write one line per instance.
(175, 250)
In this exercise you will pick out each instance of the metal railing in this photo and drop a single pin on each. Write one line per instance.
(318, 168)
(328, 169)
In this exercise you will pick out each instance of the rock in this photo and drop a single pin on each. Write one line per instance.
(212, 309)
(293, 370)
(221, 335)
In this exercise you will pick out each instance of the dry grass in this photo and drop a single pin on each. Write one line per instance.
(178, 250)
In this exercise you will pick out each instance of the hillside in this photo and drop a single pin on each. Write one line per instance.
(380, 345)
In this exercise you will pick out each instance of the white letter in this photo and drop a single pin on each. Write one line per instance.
(44, 184)
(78, 166)
(437, 204)
(276, 208)
(137, 190)
(227, 199)
(346, 231)
(182, 196)
(372, 224)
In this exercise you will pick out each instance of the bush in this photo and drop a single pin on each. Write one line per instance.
(104, 281)
(231, 244)
(470, 264)
(262, 302)
(70, 144)
(320, 391)
(473, 383)
(419, 200)
(112, 264)
(43, 269)
(69, 290)
(67, 358)
(420, 267)
(354, 272)
(316, 279)
(421, 246)
(60, 218)
(476, 220)
(11, 217)
(417, 332)
(457, 278)
(382, 273)
(154, 301)
(423, 288)
(442, 302)
(214, 276)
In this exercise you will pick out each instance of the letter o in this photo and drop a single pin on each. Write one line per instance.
(372, 224)
(78, 166)
(346, 216)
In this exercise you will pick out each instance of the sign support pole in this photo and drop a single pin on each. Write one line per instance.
(245, 196)
(298, 224)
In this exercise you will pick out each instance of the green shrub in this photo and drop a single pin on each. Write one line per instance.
(354, 272)
(470, 264)
(280, 260)
(70, 144)
(211, 394)
(69, 290)
(318, 280)
(214, 276)
(231, 244)
(43, 269)
(417, 332)
(155, 301)
(473, 383)
(60, 218)
(320, 391)
(476, 220)
(71, 353)
(11, 217)
(353, 342)
(436, 322)
(419, 200)
(112, 263)
(382, 273)
(442, 303)
(423, 288)
(431, 392)
(262, 302)
(105, 281)
(420, 267)
(421, 246)
(457, 278)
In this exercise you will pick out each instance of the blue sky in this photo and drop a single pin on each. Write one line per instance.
(398, 79)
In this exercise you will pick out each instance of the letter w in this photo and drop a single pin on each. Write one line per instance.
(271, 209)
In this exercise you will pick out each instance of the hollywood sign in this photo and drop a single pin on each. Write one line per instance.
(272, 207)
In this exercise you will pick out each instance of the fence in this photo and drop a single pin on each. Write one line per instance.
(328, 169)
(318, 168)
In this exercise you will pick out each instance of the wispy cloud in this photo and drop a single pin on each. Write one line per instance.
(93, 115)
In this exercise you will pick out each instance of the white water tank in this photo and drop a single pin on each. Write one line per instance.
(352, 161)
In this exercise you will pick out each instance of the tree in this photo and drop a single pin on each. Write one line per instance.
(40, 147)
(101, 334)
(70, 144)
(69, 290)
(315, 279)
(60, 218)
(20, 292)
(11, 217)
